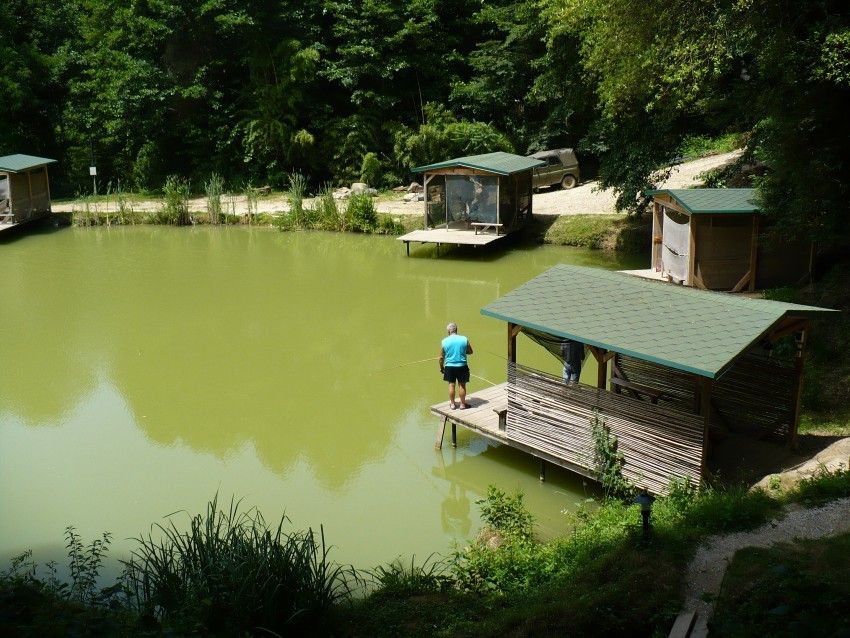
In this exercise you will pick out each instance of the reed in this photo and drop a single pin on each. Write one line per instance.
(214, 188)
(175, 209)
(231, 572)
(251, 197)
(297, 188)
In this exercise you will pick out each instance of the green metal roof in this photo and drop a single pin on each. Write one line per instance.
(17, 163)
(683, 328)
(499, 163)
(701, 201)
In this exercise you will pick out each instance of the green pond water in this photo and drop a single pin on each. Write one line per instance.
(144, 370)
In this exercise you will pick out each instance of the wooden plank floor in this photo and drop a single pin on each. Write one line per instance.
(456, 236)
(480, 415)
(7, 226)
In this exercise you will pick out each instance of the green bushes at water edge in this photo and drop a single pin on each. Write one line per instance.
(231, 568)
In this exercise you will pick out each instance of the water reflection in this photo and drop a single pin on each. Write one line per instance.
(149, 368)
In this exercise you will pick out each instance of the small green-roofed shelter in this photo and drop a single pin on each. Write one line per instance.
(709, 238)
(474, 200)
(24, 188)
(684, 363)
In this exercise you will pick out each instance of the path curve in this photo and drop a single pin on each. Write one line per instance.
(706, 570)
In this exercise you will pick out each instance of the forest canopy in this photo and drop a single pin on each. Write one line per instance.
(256, 90)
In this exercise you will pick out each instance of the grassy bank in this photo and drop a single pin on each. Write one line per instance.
(608, 232)
(231, 574)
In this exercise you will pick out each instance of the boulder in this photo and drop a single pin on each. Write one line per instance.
(400, 189)
(359, 187)
(414, 197)
(415, 187)
(342, 193)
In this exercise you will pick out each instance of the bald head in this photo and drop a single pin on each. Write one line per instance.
(451, 328)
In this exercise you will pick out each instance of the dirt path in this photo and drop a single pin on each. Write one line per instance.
(706, 570)
(587, 198)
(583, 199)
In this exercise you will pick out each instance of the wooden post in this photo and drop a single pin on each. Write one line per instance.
(542, 475)
(799, 362)
(692, 250)
(601, 369)
(29, 187)
(513, 331)
(754, 252)
(438, 444)
(47, 186)
(454, 435)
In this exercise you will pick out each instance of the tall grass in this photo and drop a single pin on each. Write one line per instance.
(297, 188)
(232, 572)
(214, 188)
(175, 208)
(252, 195)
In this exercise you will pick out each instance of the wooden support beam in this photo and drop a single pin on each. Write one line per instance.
(441, 431)
(754, 252)
(454, 434)
(743, 281)
(47, 185)
(692, 250)
(788, 327)
(29, 187)
(799, 363)
(542, 474)
(513, 331)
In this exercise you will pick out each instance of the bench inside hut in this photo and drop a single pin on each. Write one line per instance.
(674, 365)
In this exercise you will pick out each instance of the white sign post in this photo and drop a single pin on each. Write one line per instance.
(93, 173)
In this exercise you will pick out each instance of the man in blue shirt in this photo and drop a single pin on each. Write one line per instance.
(453, 364)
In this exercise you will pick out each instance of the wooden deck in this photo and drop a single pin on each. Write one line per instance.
(481, 416)
(7, 226)
(450, 236)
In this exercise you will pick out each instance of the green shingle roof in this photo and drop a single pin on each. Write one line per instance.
(683, 328)
(499, 163)
(17, 163)
(712, 200)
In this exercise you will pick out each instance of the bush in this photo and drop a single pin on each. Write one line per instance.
(360, 213)
(175, 209)
(370, 171)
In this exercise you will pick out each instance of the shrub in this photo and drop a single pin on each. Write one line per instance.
(370, 171)
(608, 460)
(360, 213)
(214, 187)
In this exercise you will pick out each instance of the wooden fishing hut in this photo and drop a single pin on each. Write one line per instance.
(676, 366)
(24, 189)
(709, 238)
(474, 200)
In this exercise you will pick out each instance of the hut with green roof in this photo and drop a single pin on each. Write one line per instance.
(474, 200)
(677, 369)
(24, 189)
(709, 238)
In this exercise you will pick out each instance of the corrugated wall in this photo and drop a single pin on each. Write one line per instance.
(658, 443)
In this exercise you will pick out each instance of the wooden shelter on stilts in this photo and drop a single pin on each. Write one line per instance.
(675, 366)
(474, 200)
(24, 189)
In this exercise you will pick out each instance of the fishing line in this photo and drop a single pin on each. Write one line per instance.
(404, 365)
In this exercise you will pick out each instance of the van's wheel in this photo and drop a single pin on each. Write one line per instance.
(569, 182)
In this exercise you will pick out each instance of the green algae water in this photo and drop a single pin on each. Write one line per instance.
(145, 370)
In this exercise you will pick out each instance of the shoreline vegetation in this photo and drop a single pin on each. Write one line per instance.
(230, 573)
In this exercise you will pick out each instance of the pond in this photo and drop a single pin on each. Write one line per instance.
(147, 369)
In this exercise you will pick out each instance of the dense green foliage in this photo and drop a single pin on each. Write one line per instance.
(336, 91)
(231, 574)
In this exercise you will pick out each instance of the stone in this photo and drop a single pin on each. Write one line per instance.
(359, 187)
(414, 197)
(400, 189)
(415, 187)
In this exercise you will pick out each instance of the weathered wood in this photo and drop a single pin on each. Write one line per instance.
(683, 625)
(441, 431)
(705, 413)
(692, 250)
(799, 363)
(754, 252)
(658, 442)
(636, 389)
(450, 236)
(743, 281)
(454, 434)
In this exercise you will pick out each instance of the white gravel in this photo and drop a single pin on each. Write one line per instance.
(705, 572)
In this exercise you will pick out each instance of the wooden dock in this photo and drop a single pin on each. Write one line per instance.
(450, 236)
(487, 416)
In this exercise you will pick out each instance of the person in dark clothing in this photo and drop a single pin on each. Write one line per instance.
(572, 353)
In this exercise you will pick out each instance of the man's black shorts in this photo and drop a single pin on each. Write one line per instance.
(456, 373)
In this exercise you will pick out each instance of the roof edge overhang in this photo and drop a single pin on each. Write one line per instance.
(701, 211)
(601, 344)
(472, 167)
(15, 171)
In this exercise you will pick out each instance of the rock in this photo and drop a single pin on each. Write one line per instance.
(414, 197)
(400, 189)
(342, 193)
(415, 187)
(372, 191)
(359, 187)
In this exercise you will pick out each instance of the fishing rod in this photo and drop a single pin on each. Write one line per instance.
(404, 365)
